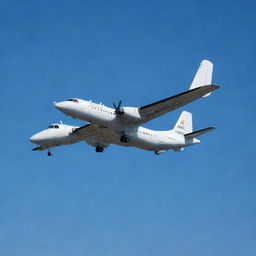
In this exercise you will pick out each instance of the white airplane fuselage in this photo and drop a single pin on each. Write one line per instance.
(140, 137)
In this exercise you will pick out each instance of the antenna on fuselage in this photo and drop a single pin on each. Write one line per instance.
(61, 122)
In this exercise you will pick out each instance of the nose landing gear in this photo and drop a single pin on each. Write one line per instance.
(99, 149)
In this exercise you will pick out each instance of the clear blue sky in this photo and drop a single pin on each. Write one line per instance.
(126, 201)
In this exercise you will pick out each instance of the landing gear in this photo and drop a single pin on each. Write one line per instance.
(99, 149)
(49, 152)
(124, 138)
(159, 152)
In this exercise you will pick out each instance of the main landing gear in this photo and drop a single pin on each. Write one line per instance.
(49, 152)
(99, 149)
(125, 139)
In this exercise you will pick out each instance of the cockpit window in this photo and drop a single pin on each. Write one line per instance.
(74, 100)
(53, 126)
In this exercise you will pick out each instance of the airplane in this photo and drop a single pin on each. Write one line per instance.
(180, 136)
(122, 125)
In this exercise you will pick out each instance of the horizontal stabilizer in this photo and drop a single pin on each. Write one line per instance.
(198, 133)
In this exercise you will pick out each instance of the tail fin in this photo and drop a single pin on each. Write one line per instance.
(184, 124)
(203, 76)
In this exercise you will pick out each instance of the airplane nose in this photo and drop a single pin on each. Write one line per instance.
(36, 138)
(33, 138)
(59, 105)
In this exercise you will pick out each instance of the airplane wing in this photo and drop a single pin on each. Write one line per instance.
(86, 130)
(93, 134)
(161, 107)
(90, 130)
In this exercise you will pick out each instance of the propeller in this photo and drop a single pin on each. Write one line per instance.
(118, 110)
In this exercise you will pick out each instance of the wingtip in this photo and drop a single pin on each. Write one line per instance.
(216, 86)
(210, 88)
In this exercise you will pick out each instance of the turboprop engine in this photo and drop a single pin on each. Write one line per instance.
(130, 114)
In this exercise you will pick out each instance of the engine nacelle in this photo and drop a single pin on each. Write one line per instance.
(131, 114)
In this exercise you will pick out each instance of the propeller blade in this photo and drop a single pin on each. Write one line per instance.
(118, 110)
(119, 104)
(114, 105)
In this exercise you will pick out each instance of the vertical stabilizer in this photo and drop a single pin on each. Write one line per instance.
(203, 75)
(184, 124)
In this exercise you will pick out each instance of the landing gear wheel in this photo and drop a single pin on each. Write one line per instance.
(99, 149)
(49, 153)
(124, 139)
